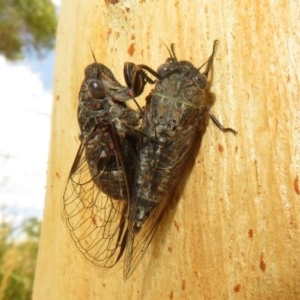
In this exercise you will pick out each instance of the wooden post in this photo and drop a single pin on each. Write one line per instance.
(235, 230)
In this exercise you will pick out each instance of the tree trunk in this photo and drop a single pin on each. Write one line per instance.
(235, 229)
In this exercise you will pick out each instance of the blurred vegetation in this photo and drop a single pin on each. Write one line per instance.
(26, 25)
(18, 254)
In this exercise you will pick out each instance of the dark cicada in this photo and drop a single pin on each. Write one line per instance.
(98, 192)
(175, 111)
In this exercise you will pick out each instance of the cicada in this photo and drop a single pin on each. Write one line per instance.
(173, 122)
(98, 192)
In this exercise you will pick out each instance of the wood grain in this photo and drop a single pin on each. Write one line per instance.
(234, 233)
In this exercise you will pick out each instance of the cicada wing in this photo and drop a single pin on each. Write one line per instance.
(165, 172)
(97, 222)
(138, 241)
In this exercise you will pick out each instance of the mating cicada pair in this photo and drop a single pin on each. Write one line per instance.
(130, 161)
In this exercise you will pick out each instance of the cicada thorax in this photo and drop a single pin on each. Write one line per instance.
(107, 131)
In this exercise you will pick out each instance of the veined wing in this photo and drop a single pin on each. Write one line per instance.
(97, 222)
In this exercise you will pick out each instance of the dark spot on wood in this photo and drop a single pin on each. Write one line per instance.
(57, 97)
(57, 175)
(111, 1)
(183, 284)
(296, 185)
(131, 49)
(94, 220)
(176, 225)
(250, 233)
(237, 288)
(132, 37)
(171, 295)
(108, 34)
(220, 148)
(170, 249)
(262, 263)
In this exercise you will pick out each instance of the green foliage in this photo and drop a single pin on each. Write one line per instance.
(26, 25)
(18, 253)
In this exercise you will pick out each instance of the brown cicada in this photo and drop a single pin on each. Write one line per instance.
(175, 112)
(98, 193)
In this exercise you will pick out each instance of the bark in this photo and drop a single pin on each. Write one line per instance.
(235, 229)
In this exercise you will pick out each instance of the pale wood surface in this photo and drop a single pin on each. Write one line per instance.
(235, 231)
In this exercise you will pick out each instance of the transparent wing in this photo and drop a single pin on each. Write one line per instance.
(138, 242)
(97, 222)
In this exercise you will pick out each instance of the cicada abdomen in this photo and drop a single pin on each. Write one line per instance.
(175, 111)
(98, 192)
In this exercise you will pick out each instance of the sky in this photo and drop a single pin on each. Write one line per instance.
(25, 121)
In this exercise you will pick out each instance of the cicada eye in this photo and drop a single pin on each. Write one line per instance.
(96, 87)
(201, 81)
(164, 69)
